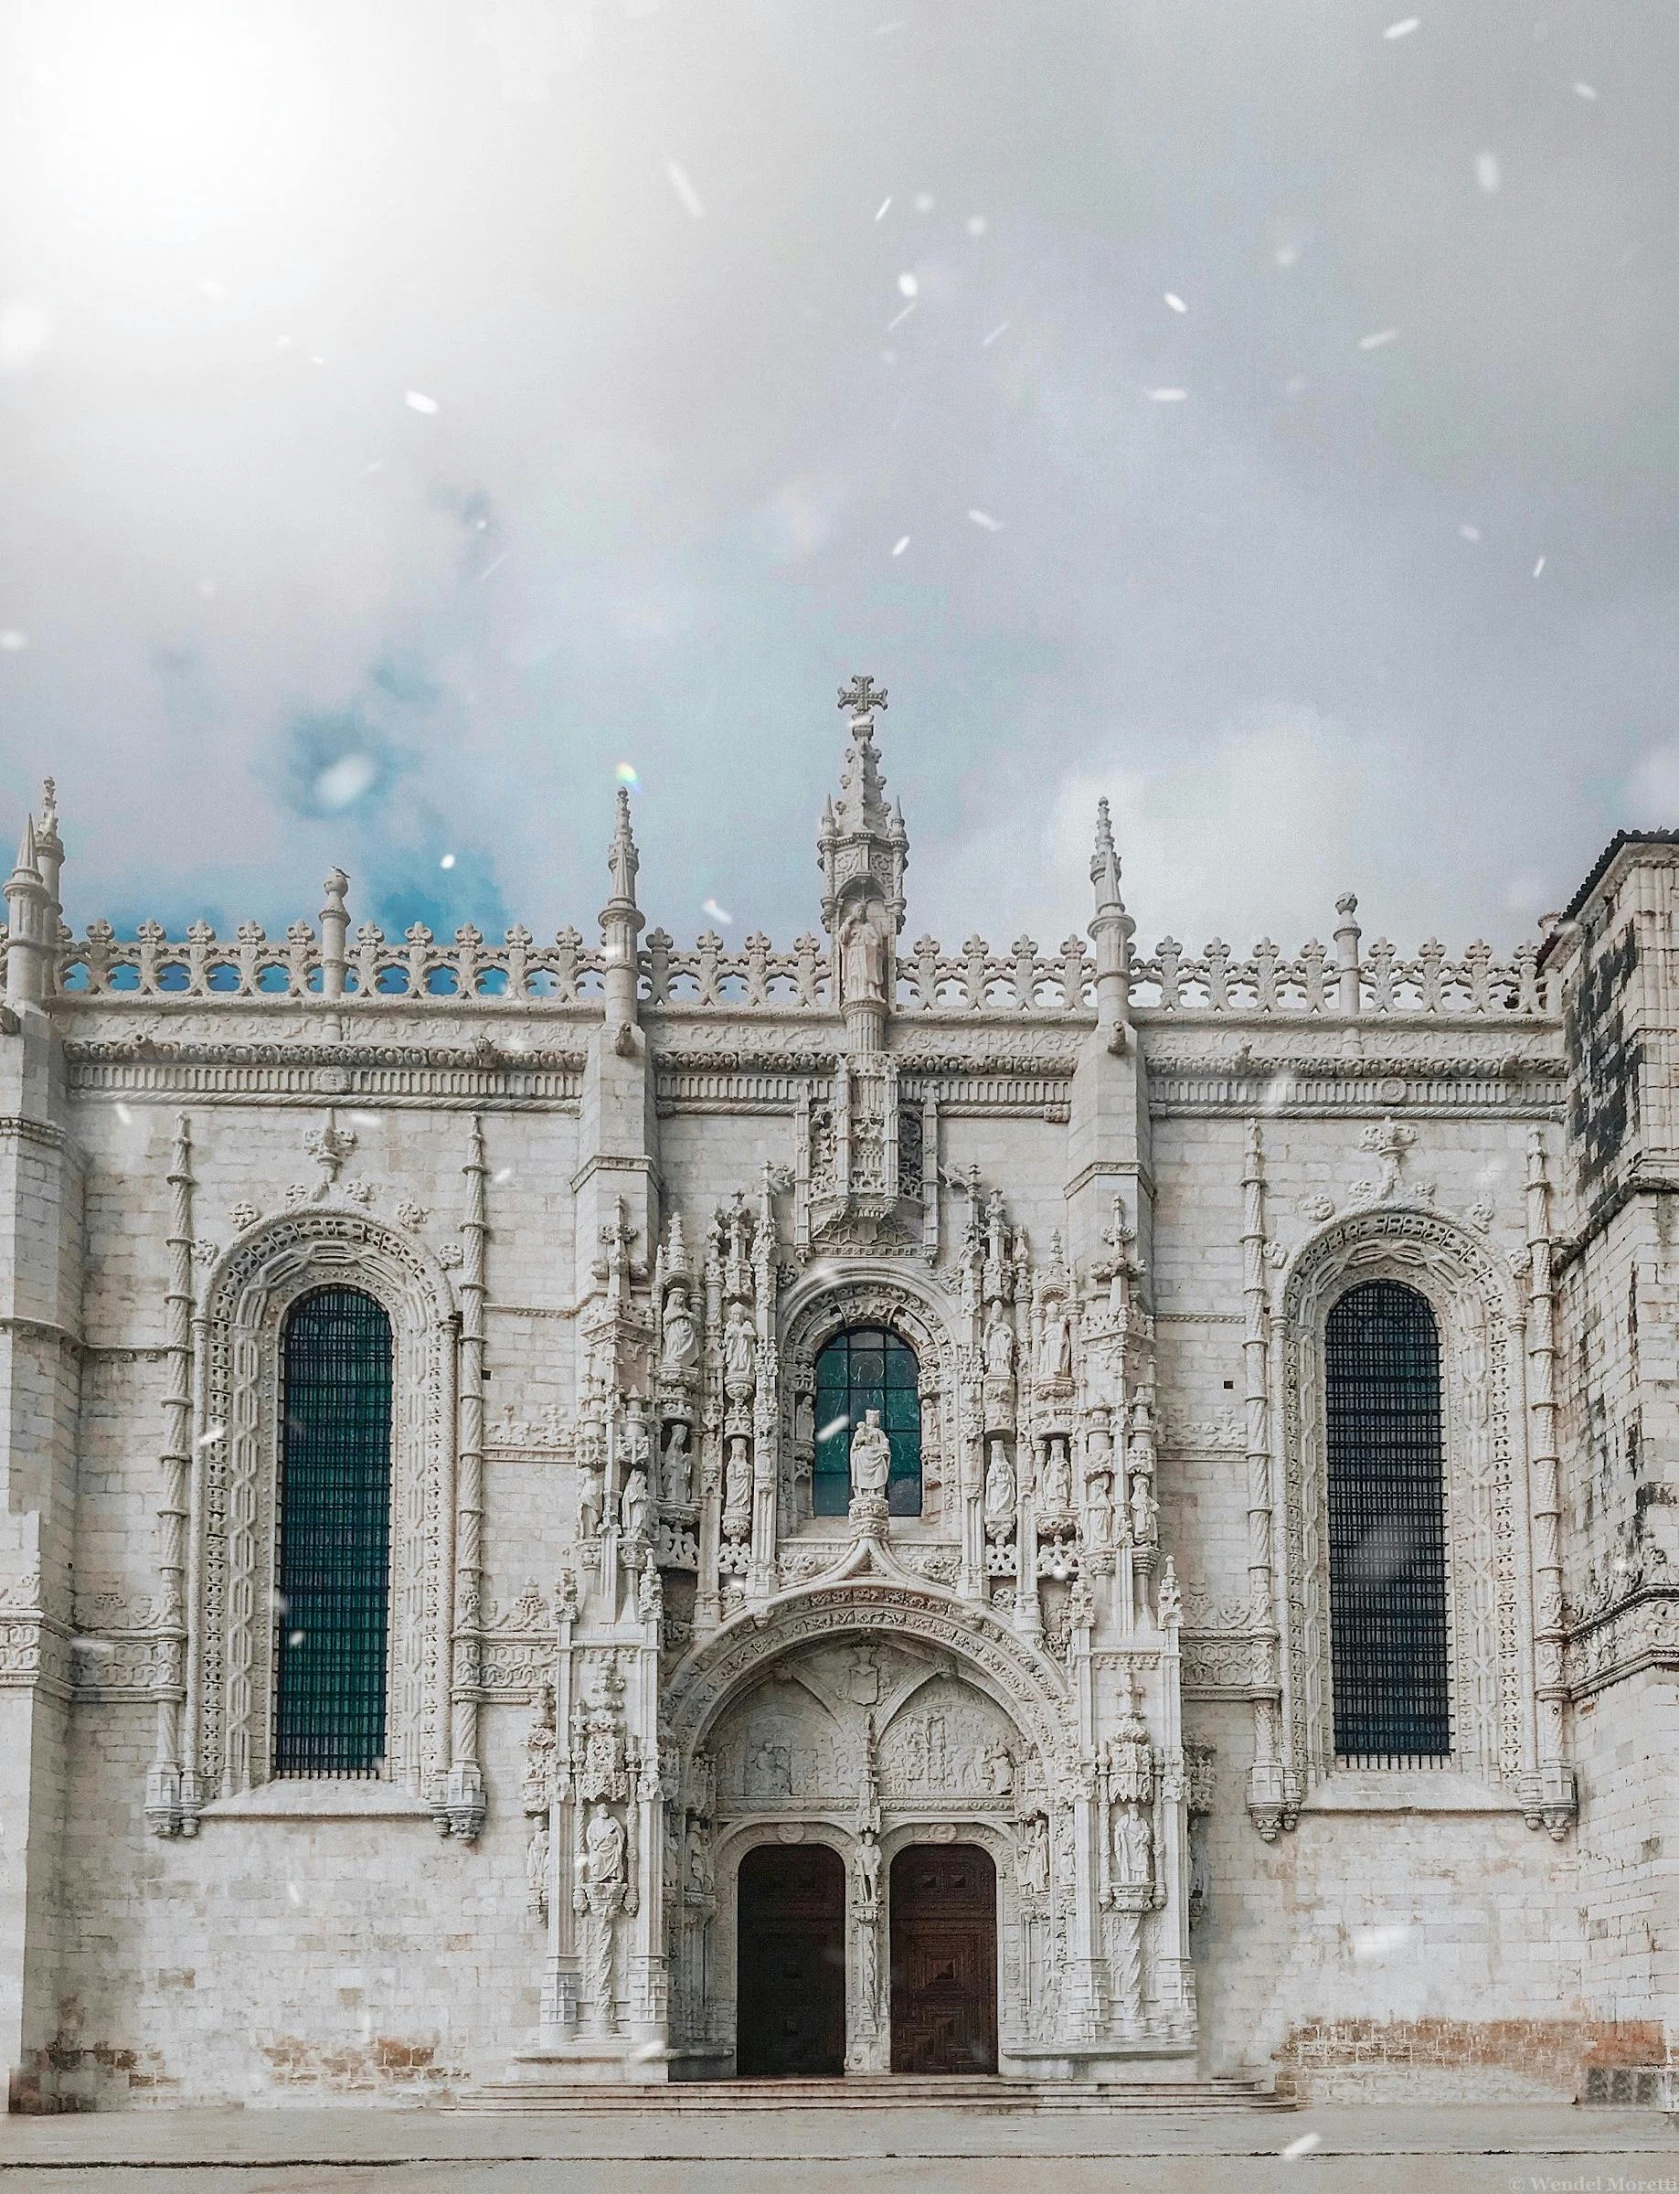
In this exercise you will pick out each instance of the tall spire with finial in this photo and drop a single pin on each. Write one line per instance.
(621, 920)
(863, 845)
(1111, 927)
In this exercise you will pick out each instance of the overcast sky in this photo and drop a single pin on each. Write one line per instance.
(412, 410)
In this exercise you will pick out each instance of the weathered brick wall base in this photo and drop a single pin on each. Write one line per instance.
(1458, 2060)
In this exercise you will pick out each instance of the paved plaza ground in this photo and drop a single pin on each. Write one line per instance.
(1517, 2149)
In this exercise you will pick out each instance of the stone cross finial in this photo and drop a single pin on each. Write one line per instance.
(622, 860)
(862, 697)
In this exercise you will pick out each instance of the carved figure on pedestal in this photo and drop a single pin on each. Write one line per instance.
(1031, 1858)
(536, 1869)
(1133, 1848)
(1001, 1492)
(871, 1459)
(1144, 1509)
(678, 1487)
(737, 1487)
(999, 1350)
(862, 958)
(591, 1491)
(682, 1340)
(1055, 1348)
(632, 1508)
(599, 1898)
(740, 1353)
(1055, 1489)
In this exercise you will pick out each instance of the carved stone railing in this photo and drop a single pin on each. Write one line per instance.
(1381, 983)
(251, 964)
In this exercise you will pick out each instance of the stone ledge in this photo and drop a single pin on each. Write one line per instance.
(1406, 1790)
(328, 1799)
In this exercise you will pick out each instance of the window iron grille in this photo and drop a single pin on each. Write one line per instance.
(333, 1570)
(861, 1369)
(1389, 1645)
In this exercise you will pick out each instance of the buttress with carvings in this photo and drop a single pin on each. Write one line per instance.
(589, 1513)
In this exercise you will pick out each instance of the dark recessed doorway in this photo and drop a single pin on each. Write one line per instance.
(790, 1971)
(944, 1959)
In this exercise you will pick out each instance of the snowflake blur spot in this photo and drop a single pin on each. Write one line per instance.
(295, 1637)
(899, 318)
(1586, 91)
(984, 519)
(710, 906)
(1402, 29)
(209, 1439)
(1175, 301)
(1167, 396)
(1381, 337)
(125, 1118)
(1486, 171)
(900, 544)
(923, 201)
(880, 214)
(345, 780)
(976, 224)
(993, 336)
(448, 861)
(12, 640)
(836, 1424)
(1303, 2146)
(908, 286)
(207, 588)
(209, 287)
(294, 1893)
(1470, 533)
(1539, 567)
(1286, 254)
(497, 1180)
(625, 774)
(685, 190)
(416, 402)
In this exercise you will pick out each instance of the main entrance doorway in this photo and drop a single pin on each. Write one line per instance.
(944, 1959)
(790, 1963)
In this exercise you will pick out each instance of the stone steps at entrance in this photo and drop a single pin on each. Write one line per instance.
(899, 2091)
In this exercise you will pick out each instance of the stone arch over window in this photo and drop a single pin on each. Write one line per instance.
(232, 1609)
(1488, 1599)
(333, 1536)
(898, 1310)
(1389, 1629)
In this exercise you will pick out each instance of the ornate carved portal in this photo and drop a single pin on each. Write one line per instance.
(944, 1959)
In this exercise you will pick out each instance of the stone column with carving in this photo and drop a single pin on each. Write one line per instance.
(1549, 1796)
(649, 1976)
(766, 1414)
(164, 1815)
(561, 1979)
(1269, 1798)
(463, 1803)
(1174, 1975)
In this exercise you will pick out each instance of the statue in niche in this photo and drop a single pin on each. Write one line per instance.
(682, 1339)
(632, 1508)
(871, 1459)
(603, 1860)
(804, 1420)
(635, 1444)
(1031, 1858)
(591, 1492)
(700, 1878)
(737, 1486)
(868, 1871)
(536, 1868)
(862, 958)
(1055, 1348)
(740, 1352)
(999, 1350)
(678, 1471)
(1133, 1848)
(1001, 1493)
(1144, 1509)
(1055, 1489)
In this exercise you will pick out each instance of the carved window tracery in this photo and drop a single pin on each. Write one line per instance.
(235, 1510)
(1389, 1651)
(1487, 1607)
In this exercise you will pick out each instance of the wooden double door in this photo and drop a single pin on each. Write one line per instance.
(790, 1963)
(944, 1959)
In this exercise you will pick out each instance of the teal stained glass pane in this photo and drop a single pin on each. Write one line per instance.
(333, 1571)
(867, 1368)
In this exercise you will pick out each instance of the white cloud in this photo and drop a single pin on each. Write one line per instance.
(1258, 831)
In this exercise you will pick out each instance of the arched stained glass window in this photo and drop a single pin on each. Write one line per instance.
(332, 1619)
(1389, 1652)
(861, 1369)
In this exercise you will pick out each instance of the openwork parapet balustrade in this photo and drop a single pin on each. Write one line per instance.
(928, 980)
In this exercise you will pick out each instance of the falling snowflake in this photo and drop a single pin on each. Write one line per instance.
(416, 402)
(625, 774)
(685, 190)
(710, 906)
(1167, 396)
(995, 333)
(976, 224)
(1470, 533)
(1486, 171)
(12, 640)
(1175, 301)
(1404, 28)
(1539, 567)
(984, 518)
(908, 286)
(1586, 91)
(448, 861)
(1376, 341)
(899, 545)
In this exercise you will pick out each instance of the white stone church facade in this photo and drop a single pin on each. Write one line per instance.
(619, 1513)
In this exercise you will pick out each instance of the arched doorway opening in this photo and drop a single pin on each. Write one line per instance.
(944, 1959)
(790, 1963)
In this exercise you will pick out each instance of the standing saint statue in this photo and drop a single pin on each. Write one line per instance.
(682, 1340)
(862, 958)
(740, 1352)
(1000, 1490)
(871, 1458)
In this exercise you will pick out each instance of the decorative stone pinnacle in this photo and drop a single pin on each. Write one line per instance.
(862, 697)
(1104, 863)
(622, 860)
